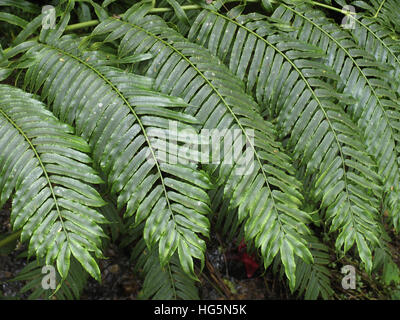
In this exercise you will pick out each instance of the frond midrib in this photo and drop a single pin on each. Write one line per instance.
(312, 92)
(43, 168)
(353, 16)
(352, 59)
(224, 102)
(119, 93)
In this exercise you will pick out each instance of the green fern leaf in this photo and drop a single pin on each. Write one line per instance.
(284, 75)
(164, 282)
(366, 79)
(125, 117)
(173, 282)
(47, 166)
(314, 279)
(71, 287)
(270, 205)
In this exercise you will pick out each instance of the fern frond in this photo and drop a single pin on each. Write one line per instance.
(385, 11)
(285, 76)
(120, 117)
(71, 287)
(49, 169)
(297, 119)
(376, 110)
(165, 282)
(20, 4)
(376, 38)
(168, 282)
(227, 220)
(314, 279)
(172, 282)
(268, 198)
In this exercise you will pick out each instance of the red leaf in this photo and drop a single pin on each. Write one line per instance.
(249, 261)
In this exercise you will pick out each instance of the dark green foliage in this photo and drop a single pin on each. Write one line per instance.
(317, 106)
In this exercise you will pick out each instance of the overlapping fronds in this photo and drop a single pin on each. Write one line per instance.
(383, 11)
(265, 192)
(71, 287)
(366, 79)
(168, 282)
(314, 280)
(120, 117)
(285, 76)
(47, 169)
(265, 120)
(160, 282)
(378, 39)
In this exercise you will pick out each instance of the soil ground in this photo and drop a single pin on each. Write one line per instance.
(224, 276)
